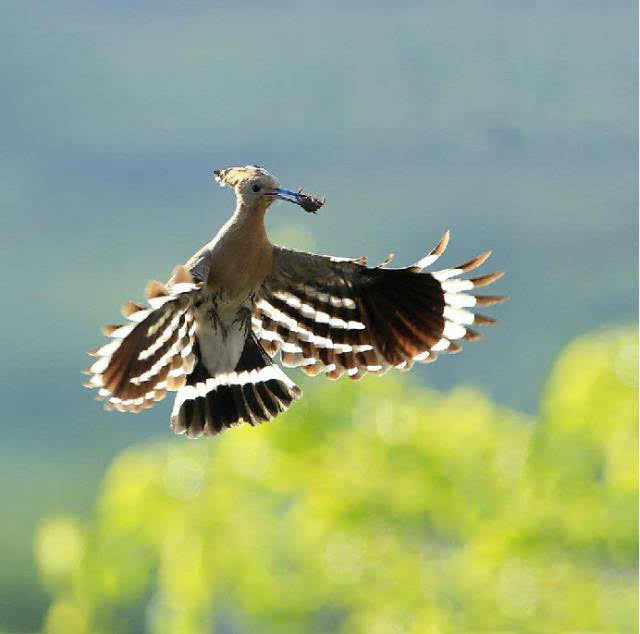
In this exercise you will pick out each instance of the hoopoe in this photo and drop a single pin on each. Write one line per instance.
(211, 333)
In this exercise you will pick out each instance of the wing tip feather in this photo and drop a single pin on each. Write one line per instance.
(485, 280)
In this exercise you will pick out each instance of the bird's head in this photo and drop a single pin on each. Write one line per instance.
(256, 188)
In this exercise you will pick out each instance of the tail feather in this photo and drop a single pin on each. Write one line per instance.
(255, 391)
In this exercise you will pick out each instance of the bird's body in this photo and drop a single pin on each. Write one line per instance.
(212, 329)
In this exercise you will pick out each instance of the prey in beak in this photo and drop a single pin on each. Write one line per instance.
(309, 203)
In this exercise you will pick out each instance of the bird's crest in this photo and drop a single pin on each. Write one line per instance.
(232, 176)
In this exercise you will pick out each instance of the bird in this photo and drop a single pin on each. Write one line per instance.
(212, 333)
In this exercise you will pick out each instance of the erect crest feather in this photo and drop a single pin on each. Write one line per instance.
(233, 175)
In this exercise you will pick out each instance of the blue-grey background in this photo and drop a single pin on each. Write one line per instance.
(514, 124)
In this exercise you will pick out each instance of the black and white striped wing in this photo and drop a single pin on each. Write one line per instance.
(338, 316)
(153, 352)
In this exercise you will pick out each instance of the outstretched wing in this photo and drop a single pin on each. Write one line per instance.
(151, 354)
(338, 316)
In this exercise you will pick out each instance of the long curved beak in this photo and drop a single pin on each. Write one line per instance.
(309, 203)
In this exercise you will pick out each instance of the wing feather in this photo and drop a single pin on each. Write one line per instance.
(338, 316)
(151, 354)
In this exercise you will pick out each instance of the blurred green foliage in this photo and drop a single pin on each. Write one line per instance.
(381, 507)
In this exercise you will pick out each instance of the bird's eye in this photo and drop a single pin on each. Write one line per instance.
(256, 188)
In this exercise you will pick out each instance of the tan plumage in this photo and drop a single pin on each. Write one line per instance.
(210, 332)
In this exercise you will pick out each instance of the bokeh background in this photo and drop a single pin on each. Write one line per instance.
(496, 490)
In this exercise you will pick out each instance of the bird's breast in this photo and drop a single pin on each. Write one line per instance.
(237, 270)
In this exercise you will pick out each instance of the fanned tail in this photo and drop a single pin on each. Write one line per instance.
(255, 391)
